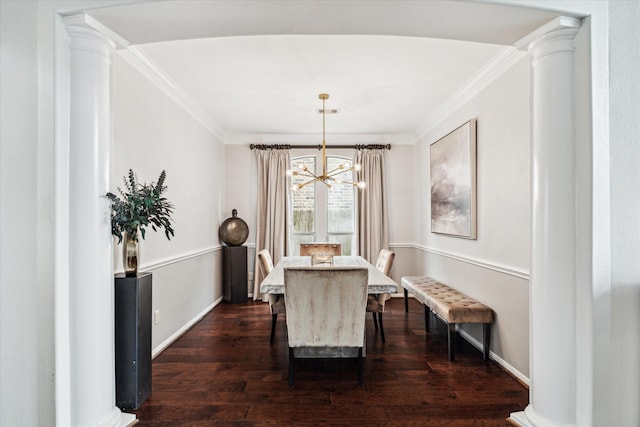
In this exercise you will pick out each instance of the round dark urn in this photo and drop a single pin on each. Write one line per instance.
(234, 231)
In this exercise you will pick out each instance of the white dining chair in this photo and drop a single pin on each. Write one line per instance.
(375, 303)
(326, 313)
(276, 302)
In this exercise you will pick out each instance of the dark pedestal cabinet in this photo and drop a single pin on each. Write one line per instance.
(133, 340)
(234, 274)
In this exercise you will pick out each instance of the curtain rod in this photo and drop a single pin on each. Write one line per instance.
(319, 147)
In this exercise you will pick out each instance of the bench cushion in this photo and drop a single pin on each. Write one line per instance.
(453, 306)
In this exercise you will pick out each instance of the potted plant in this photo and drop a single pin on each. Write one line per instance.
(139, 205)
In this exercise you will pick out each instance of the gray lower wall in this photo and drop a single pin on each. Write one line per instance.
(183, 291)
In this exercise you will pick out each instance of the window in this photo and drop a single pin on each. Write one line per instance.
(319, 214)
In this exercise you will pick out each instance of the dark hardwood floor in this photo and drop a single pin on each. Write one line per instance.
(224, 372)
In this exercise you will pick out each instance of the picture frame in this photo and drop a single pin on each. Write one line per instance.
(453, 182)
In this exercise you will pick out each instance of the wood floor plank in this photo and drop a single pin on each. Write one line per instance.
(224, 372)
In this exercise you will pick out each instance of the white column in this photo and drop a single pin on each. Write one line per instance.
(91, 306)
(553, 299)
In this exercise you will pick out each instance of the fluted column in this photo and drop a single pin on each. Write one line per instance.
(553, 355)
(91, 306)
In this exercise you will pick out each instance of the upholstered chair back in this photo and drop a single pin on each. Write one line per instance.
(266, 262)
(385, 261)
(375, 303)
(307, 249)
(325, 306)
(276, 302)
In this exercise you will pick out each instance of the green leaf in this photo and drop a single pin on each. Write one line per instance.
(139, 206)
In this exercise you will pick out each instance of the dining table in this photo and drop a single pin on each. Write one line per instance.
(378, 282)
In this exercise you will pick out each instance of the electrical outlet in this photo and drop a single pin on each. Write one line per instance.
(156, 317)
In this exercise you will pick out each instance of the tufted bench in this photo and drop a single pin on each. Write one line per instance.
(451, 306)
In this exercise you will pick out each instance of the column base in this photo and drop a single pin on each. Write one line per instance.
(118, 418)
(129, 420)
(529, 418)
(518, 419)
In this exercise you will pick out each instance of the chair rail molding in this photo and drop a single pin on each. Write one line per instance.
(179, 258)
(501, 268)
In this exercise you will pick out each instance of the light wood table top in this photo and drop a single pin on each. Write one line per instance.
(379, 283)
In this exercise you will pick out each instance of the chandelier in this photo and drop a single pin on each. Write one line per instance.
(328, 178)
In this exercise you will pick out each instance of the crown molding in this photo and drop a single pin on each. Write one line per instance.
(315, 139)
(159, 78)
(497, 66)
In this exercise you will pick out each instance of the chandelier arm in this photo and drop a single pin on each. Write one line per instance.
(336, 173)
(307, 174)
(355, 184)
(311, 181)
(325, 183)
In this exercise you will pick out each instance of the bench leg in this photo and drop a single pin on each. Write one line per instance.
(375, 320)
(426, 318)
(486, 331)
(451, 337)
(381, 326)
(406, 301)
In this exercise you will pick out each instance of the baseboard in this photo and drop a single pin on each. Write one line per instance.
(513, 422)
(500, 361)
(166, 343)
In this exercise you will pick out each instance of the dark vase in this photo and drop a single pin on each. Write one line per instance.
(234, 231)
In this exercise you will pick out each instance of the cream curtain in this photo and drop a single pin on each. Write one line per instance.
(373, 227)
(272, 215)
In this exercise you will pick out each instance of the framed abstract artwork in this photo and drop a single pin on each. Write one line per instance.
(453, 182)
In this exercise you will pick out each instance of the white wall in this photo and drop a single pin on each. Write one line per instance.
(26, 320)
(625, 211)
(493, 268)
(399, 166)
(152, 132)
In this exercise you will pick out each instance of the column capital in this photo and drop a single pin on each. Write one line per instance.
(557, 41)
(549, 31)
(89, 34)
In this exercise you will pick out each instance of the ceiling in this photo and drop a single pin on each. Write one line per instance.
(256, 67)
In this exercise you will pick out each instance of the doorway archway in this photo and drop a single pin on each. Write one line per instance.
(62, 315)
